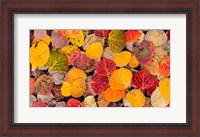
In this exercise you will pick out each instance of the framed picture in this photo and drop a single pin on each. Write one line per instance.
(100, 68)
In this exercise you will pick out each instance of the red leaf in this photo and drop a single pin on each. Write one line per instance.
(105, 67)
(151, 89)
(102, 33)
(39, 104)
(143, 80)
(168, 34)
(132, 35)
(74, 103)
(99, 83)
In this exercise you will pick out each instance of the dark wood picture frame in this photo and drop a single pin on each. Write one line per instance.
(11, 7)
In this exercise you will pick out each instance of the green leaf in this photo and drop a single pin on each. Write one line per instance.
(58, 61)
(116, 40)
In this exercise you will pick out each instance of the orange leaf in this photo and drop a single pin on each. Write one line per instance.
(32, 80)
(165, 67)
(132, 35)
(113, 95)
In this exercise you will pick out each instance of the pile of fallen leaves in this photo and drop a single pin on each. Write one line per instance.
(99, 68)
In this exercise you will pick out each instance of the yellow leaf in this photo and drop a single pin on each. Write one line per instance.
(120, 79)
(66, 89)
(122, 59)
(157, 100)
(74, 74)
(164, 85)
(39, 54)
(136, 98)
(69, 49)
(89, 101)
(133, 62)
(95, 50)
(78, 40)
(78, 88)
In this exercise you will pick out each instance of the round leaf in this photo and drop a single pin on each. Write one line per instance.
(113, 95)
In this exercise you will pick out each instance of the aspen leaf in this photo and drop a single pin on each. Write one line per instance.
(32, 80)
(102, 102)
(132, 36)
(122, 59)
(151, 89)
(157, 100)
(78, 88)
(108, 54)
(43, 85)
(40, 34)
(56, 91)
(39, 104)
(74, 103)
(58, 41)
(153, 67)
(95, 50)
(99, 83)
(89, 39)
(89, 101)
(74, 74)
(66, 89)
(165, 67)
(144, 52)
(102, 33)
(120, 79)
(105, 67)
(164, 86)
(157, 37)
(143, 80)
(113, 95)
(133, 63)
(39, 54)
(57, 61)
(68, 33)
(116, 40)
(136, 98)
(58, 77)
(78, 40)
(46, 39)
(160, 54)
